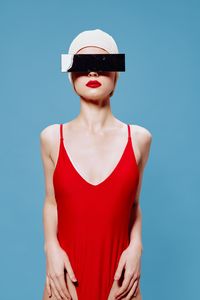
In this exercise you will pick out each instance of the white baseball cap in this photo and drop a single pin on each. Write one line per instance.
(96, 38)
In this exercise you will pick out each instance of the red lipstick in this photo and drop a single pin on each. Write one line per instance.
(93, 83)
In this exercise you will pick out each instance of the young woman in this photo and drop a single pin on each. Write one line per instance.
(93, 168)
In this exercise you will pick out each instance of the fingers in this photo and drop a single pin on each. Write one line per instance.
(128, 289)
(48, 286)
(119, 269)
(132, 291)
(137, 289)
(54, 290)
(69, 269)
(59, 288)
(125, 285)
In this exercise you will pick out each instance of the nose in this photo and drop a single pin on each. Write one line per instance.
(93, 73)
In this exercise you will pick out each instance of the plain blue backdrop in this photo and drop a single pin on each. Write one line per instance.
(159, 91)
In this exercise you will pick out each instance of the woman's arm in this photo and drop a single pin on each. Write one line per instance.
(144, 139)
(50, 206)
(50, 223)
(56, 258)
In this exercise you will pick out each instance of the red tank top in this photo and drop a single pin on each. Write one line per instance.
(93, 220)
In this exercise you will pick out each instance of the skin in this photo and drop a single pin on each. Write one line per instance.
(98, 134)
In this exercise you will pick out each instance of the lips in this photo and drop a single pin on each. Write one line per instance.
(93, 83)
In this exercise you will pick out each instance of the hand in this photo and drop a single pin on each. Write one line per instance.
(56, 262)
(130, 260)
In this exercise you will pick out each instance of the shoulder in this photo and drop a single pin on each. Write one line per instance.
(143, 138)
(48, 131)
(49, 134)
(142, 134)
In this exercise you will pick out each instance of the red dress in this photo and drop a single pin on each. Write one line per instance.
(93, 220)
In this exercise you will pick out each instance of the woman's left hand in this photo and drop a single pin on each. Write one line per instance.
(130, 260)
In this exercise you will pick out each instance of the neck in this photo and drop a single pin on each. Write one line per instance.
(95, 114)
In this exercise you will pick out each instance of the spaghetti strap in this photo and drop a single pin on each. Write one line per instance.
(61, 131)
(129, 131)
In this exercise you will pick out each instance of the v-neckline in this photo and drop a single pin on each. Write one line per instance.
(108, 177)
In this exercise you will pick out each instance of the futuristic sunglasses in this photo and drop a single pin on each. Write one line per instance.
(93, 62)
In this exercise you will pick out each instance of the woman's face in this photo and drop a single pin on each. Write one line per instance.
(80, 79)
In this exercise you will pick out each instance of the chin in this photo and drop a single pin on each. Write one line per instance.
(95, 95)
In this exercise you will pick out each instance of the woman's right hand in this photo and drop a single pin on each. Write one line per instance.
(56, 262)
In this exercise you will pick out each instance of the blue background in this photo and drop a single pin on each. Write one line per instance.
(159, 91)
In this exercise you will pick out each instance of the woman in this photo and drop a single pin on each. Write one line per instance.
(93, 168)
